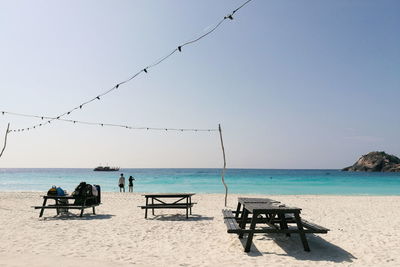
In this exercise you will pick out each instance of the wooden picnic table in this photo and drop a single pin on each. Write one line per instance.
(271, 213)
(168, 201)
(243, 200)
(61, 203)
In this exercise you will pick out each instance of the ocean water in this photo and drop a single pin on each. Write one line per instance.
(239, 181)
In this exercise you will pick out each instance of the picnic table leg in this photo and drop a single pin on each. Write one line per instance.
(94, 212)
(190, 202)
(57, 203)
(242, 223)
(152, 203)
(238, 210)
(42, 210)
(283, 223)
(145, 213)
(187, 207)
(301, 232)
(250, 235)
(83, 205)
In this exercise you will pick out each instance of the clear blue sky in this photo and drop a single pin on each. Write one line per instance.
(295, 84)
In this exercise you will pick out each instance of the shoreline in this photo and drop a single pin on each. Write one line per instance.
(276, 182)
(233, 194)
(360, 233)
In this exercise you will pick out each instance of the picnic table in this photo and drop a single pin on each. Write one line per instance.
(274, 216)
(243, 200)
(168, 201)
(61, 204)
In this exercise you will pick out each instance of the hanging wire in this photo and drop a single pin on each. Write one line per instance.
(115, 87)
(102, 124)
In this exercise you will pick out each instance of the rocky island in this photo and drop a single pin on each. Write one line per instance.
(376, 162)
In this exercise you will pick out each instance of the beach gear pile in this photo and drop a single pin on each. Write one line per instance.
(87, 191)
(56, 191)
(83, 192)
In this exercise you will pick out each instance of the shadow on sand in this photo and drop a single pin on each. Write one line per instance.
(321, 250)
(179, 217)
(74, 216)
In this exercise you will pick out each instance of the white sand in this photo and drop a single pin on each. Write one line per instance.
(365, 231)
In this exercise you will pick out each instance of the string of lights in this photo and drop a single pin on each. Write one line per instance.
(46, 119)
(117, 86)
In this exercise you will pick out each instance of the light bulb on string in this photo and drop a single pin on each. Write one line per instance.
(179, 48)
(229, 17)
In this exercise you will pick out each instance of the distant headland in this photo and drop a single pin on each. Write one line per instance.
(375, 162)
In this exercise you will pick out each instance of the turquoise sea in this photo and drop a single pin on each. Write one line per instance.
(240, 181)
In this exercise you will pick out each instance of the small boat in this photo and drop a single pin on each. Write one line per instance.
(106, 169)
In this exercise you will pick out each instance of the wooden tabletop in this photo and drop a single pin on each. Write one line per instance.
(169, 195)
(270, 208)
(59, 197)
(244, 200)
(67, 197)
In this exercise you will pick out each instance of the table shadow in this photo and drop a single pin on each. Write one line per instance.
(321, 250)
(179, 217)
(75, 216)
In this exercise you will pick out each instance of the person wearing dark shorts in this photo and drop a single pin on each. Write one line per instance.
(121, 183)
(131, 179)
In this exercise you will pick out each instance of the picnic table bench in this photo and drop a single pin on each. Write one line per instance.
(61, 203)
(177, 201)
(268, 212)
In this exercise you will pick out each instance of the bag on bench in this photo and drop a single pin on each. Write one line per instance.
(82, 191)
(98, 198)
(52, 191)
(60, 192)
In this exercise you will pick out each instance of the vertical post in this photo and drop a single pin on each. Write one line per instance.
(224, 168)
(5, 140)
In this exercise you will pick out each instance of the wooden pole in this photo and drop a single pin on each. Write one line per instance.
(5, 139)
(224, 168)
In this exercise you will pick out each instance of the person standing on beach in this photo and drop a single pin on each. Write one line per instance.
(121, 183)
(131, 179)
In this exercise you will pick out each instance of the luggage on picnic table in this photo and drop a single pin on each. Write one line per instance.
(56, 191)
(84, 190)
(52, 191)
(98, 198)
(95, 193)
(60, 191)
(99, 193)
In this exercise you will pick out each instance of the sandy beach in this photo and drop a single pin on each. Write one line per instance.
(364, 232)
